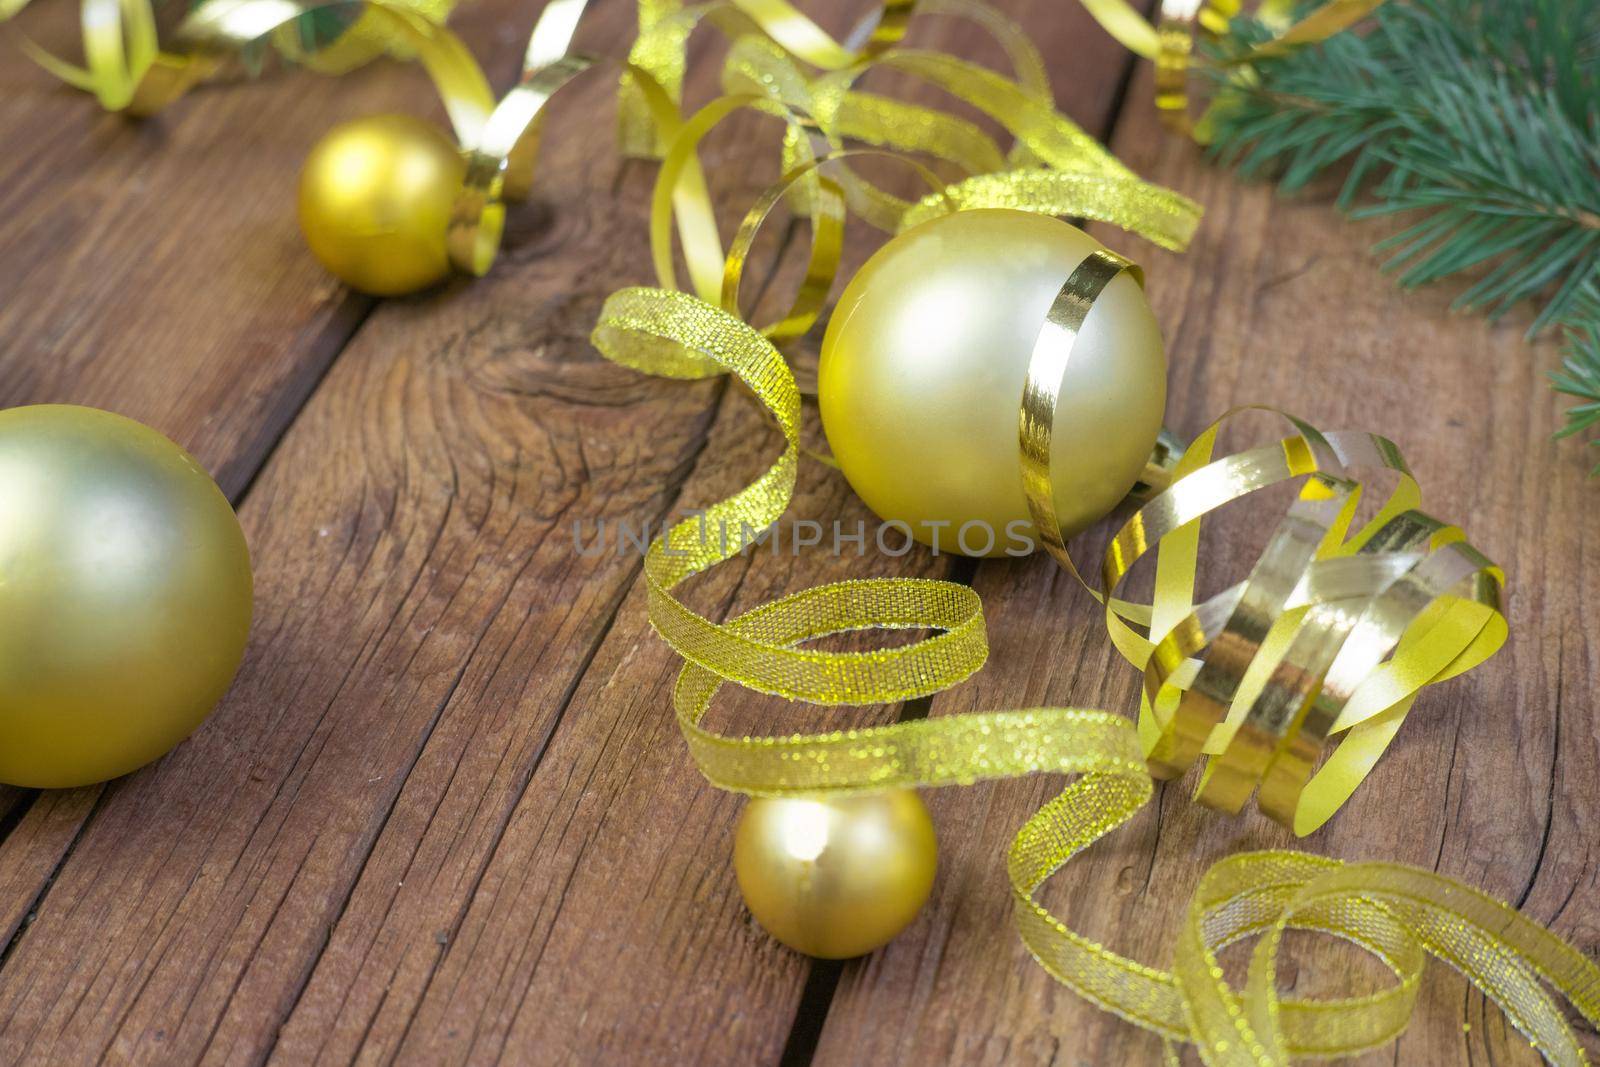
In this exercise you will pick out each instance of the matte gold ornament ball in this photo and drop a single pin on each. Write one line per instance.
(375, 200)
(125, 595)
(922, 373)
(835, 878)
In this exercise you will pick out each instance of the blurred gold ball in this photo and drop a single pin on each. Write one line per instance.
(836, 878)
(375, 200)
(922, 372)
(125, 595)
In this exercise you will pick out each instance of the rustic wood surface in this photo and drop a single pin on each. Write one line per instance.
(444, 815)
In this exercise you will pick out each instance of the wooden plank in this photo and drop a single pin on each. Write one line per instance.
(415, 577)
(600, 923)
(1496, 774)
(155, 268)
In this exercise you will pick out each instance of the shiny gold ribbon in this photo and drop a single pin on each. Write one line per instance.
(1327, 635)
(1296, 652)
(1170, 41)
(1053, 167)
(498, 138)
(127, 70)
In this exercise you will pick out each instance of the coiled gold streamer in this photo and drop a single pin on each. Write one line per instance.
(1325, 636)
(1328, 634)
(1399, 914)
(127, 70)
(1170, 42)
(1054, 167)
(665, 27)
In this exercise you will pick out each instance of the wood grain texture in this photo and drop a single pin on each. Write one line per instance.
(1495, 776)
(415, 578)
(445, 815)
(155, 268)
(606, 926)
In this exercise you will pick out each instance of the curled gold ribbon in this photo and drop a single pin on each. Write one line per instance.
(1170, 41)
(498, 138)
(127, 70)
(1327, 635)
(1053, 167)
(1297, 651)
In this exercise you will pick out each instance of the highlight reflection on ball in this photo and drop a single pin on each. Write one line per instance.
(375, 200)
(836, 878)
(923, 367)
(125, 595)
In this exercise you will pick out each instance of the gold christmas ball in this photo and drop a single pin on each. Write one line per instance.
(922, 373)
(124, 595)
(836, 878)
(375, 201)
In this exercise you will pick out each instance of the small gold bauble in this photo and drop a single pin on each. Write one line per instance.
(124, 595)
(375, 201)
(922, 374)
(836, 878)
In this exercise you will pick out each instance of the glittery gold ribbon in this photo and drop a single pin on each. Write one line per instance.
(1328, 635)
(1397, 913)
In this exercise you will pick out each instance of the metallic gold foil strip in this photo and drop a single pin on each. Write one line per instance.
(771, 41)
(499, 139)
(1240, 631)
(1170, 42)
(500, 160)
(1041, 391)
(223, 27)
(1383, 581)
(1073, 165)
(127, 71)
(1328, 589)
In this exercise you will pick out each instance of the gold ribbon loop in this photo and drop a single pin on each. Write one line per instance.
(1258, 677)
(127, 71)
(684, 336)
(1170, 43)
(1058, 167)
(500, 162)
(1330, 632)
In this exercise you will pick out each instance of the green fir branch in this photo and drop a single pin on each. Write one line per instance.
(1479, 120)
(1579, 376)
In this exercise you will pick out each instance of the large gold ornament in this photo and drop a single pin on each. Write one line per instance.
(376, 196)
(836, 878)
(125, 595)
(925, 361)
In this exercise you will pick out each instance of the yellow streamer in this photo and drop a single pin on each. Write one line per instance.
(126, 70)
(1329, 634)
(1170, 42)
(499, 138)
(1397, 913)
(1055, 167)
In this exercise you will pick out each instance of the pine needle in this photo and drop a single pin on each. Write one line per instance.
(1479, 119)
